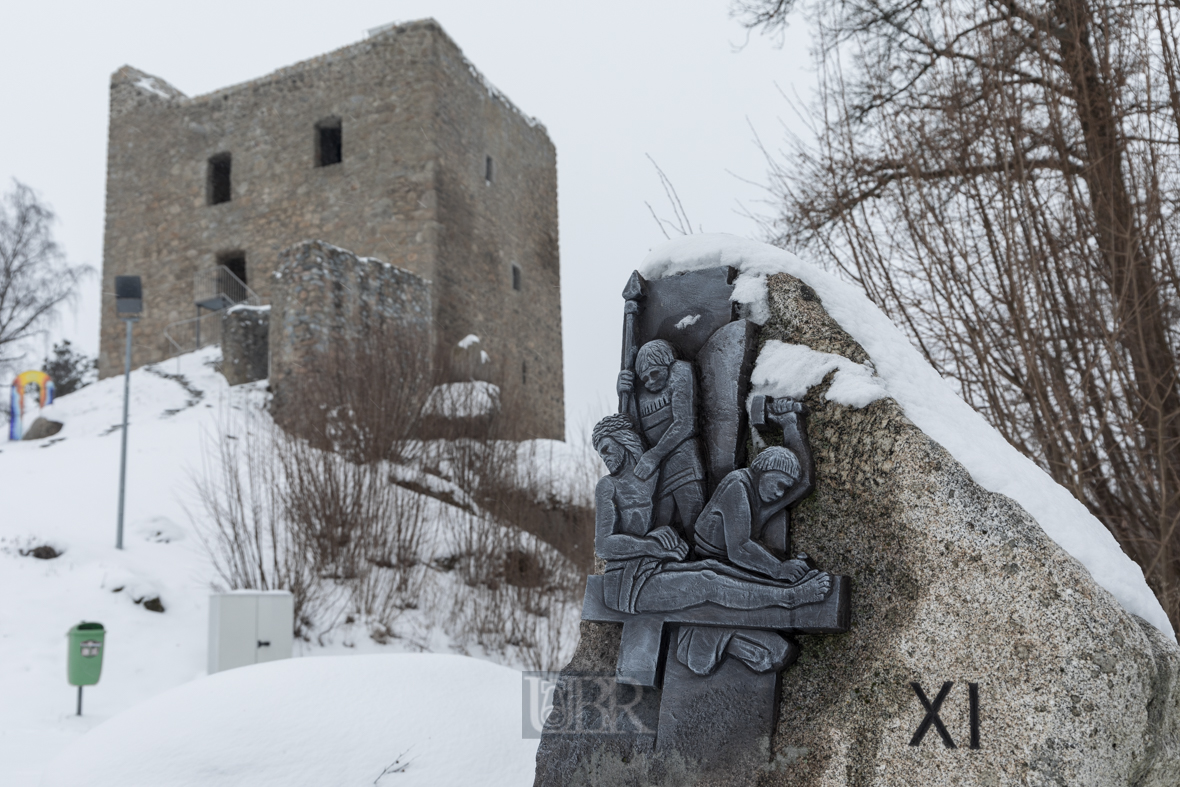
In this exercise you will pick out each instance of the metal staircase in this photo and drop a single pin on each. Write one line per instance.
(214, 289)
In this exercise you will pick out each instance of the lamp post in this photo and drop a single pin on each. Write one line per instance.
(128, 307)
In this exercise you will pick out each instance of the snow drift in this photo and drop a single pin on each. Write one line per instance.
(410, 719)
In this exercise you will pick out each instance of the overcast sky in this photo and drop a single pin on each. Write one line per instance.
(612, 81)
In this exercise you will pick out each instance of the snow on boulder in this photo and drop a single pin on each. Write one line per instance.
(927, 400)
(412, 720)
(962, 559)
(791, 370)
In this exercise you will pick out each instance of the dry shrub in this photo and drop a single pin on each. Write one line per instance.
(546, 497)
(280, 514)
(526, 485)
(524, 553)
(356, 528)
(240, 492)
(310, 508)
(361, 397)
(333, 504)
(521, 596)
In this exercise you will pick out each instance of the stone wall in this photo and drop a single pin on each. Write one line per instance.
(488, 227)
(245, 343)
(418, 125)
(323, 294)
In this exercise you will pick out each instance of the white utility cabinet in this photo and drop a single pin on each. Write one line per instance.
(250, 627)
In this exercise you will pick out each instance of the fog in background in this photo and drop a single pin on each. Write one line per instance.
(612, 82)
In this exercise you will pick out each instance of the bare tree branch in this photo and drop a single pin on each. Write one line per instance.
(35, 279)
(1001, 178)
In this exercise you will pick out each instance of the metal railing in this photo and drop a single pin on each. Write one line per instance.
(184, 336)
(214, 289)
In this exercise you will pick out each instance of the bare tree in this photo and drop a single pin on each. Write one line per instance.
(1001, 178)
(35, 279)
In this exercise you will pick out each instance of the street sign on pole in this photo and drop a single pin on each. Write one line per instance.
(128, 306)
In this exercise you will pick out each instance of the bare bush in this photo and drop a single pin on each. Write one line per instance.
(524, 548)
(355, 527)
(362, 396)
(360, 507)
(242, 517)
(522, 596)
(528, 485)
(547, 495)
(276, 513)
(313, 503)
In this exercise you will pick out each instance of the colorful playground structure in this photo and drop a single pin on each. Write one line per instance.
(16, 408)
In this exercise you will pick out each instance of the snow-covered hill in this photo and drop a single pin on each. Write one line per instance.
(62, 492)
(412, 720)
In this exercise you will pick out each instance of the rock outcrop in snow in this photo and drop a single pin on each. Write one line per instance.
(954, 582)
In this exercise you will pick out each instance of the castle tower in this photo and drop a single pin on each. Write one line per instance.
(395, 147)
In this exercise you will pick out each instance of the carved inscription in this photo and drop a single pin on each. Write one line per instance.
(973, 700)
(932, 709)
(932, 717)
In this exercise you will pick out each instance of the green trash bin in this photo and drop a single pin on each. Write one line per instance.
(86, 646)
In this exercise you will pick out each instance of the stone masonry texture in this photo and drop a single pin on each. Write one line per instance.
(418, 124)
(951, 582)
(245, 348)
(323, 293)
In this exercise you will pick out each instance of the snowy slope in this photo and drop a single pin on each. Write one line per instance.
(62, 491)
(426, 720)
(928, 400)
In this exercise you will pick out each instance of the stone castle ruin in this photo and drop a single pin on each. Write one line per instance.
(394, 149)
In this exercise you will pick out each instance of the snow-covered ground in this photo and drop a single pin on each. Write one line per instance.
(62, 491)
(412, 720)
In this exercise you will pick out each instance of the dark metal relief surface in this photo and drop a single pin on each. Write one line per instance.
(695, 535)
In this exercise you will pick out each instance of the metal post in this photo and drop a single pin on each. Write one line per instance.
(198, 326)
(79, 700)
(123, 459)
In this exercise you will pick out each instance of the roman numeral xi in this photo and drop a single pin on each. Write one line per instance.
(932, 717)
